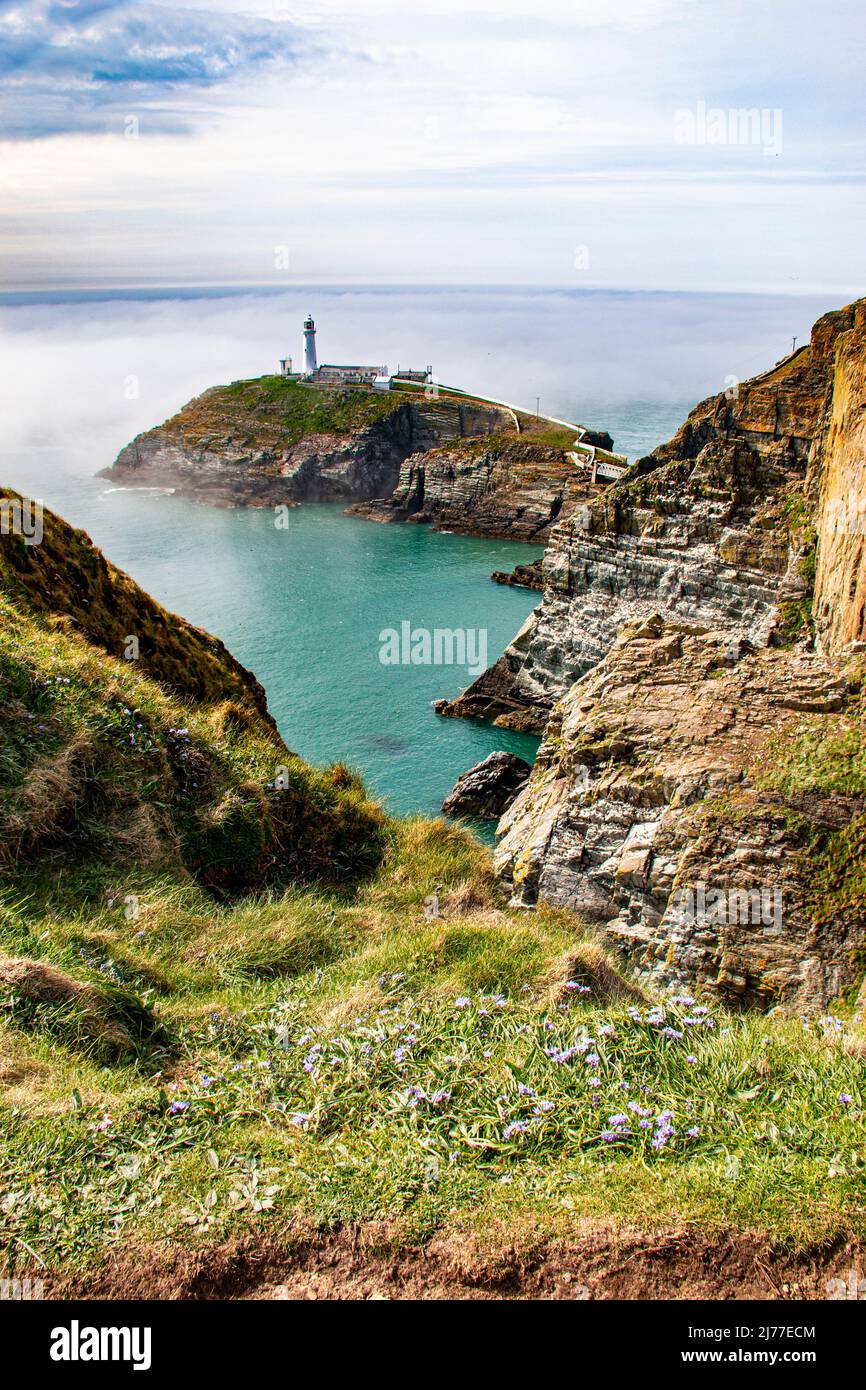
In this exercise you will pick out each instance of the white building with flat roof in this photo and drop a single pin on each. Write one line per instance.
(345, 374)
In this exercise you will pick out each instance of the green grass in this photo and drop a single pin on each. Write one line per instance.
(344, 1058)
(303, 410)
(418, 1072)
(102, 769)
(818, 759)
(797, 517)
(826, 759)
(551, 437)
(271, 412)
(258, 1000)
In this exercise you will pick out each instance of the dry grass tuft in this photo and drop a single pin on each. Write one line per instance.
(48, 796)
(589, 964)
(37, 983)
(469, 898)
(145, 835)
(362, 999)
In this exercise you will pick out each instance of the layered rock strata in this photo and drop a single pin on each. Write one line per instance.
(696, 666)
(706, 529)
(507, 486)
(839, 472)
(647, 812)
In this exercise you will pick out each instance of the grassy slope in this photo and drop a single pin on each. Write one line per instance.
(270, 412)
(103, 773)
(320, 1063)
(301, 1040)
(69, 582)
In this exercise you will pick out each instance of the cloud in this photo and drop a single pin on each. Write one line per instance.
(484, 140)
(66, 66)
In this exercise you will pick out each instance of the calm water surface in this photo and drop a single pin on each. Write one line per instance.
(303, 608)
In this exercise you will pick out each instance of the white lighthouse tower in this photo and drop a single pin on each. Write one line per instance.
(310, 363)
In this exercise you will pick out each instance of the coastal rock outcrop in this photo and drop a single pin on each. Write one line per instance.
(652, 811)
(509, 486)
(489, 788)
(272, 441)
(713, 527)
(522, 576)
(696, 666)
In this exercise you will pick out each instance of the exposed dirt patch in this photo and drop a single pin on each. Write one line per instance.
(360, 1264)
(38, 983)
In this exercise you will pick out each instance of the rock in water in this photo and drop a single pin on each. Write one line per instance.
(522, 576)
(489, 788)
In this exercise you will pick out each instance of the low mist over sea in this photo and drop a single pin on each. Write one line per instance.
(87, 372)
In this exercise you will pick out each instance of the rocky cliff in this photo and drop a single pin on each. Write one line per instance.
(509, 486)
(273, 441)
(712, 527)
(652, 810)
(696, 667)
(838, 479)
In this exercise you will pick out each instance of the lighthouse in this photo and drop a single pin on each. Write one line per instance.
(310, 363)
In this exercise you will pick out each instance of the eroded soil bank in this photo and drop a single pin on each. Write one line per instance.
(360, 1263)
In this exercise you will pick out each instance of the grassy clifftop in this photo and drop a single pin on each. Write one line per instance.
(271, 411)
(67, 582)
(168, 760)
(238, 1004)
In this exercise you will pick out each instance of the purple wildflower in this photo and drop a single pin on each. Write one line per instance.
(516, 1127)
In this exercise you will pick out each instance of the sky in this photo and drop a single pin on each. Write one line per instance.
(581, 143)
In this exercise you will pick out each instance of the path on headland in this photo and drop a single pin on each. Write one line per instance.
(518, 410)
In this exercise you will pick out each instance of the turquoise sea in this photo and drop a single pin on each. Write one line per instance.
(304, 607)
